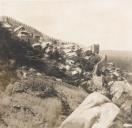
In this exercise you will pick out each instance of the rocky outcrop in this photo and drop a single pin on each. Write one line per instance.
(121, 91)
(96, 111)
(38, 102)
(65, 60)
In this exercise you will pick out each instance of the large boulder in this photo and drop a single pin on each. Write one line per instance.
(121, 92)
(96, 111)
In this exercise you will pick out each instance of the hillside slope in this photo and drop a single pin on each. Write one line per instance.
(34, 92)
(43, 80)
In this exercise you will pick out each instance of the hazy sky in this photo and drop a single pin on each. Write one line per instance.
(107, 22)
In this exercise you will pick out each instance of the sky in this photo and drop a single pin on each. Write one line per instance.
(105, 22)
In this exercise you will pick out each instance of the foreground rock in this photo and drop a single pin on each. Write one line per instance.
(96, 111)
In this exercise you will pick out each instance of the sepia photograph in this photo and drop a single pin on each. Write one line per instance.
(65, 63)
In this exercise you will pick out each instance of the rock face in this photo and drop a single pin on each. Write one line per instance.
(96, 111)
